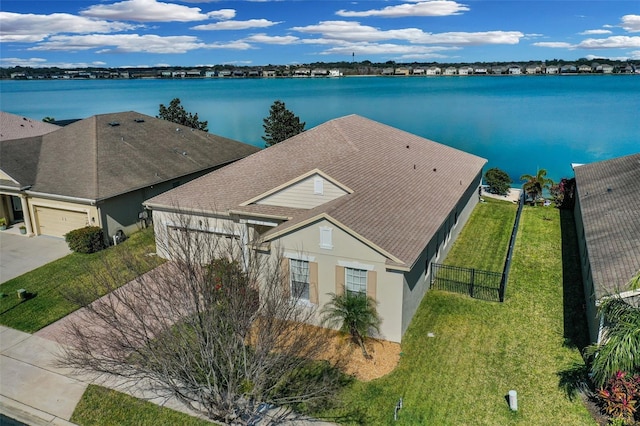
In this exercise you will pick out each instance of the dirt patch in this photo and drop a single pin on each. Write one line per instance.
(384, 356)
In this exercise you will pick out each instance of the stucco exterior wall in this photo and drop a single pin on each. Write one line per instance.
(593, 319)
(121, 212)
(304, 194)
(417, 280)
(347, 249)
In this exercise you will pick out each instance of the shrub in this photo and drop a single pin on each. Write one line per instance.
(563, 193)
(498, 181)
(618, 398)
(89, 239)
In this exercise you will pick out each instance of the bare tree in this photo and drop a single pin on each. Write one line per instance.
(217, 327)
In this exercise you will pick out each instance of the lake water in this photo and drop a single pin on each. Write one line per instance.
(518, 123)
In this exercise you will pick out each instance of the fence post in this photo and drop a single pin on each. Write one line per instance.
(473, 279)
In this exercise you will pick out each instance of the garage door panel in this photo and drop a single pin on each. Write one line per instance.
(57, 222)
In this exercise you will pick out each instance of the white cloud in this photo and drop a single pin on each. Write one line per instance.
(595, 32)
(267, 39)
(44, 63)
(153, 11)
(631, 23)
(612, 58)
(354, 31)
(554, 44)
(421, 8)
(614, 42)
(30, 28)
(232, 45)
(383, 49)
(236, 25)
(121, 43)
(23, 62)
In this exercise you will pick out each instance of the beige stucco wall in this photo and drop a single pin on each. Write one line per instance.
(305, 242)
(346, 248)
(302, 194)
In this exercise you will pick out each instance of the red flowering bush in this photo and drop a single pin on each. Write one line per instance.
(620, 395)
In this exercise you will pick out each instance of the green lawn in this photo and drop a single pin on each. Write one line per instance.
(484, 242)
(49, 282)
(481, 350)
(105, 407)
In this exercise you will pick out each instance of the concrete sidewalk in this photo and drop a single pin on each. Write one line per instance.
(32, 389)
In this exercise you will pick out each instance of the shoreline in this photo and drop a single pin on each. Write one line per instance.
(513, 195)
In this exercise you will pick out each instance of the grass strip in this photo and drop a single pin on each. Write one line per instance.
(49, 282)
(106, 407)
(481, 350)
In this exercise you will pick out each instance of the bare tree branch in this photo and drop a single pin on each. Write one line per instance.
(216, 327)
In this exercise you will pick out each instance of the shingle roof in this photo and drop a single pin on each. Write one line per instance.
(15, 127)
(404, 186)
(111, 154)
(608, 194)
(19, 160)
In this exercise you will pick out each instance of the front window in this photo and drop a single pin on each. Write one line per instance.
(356, 281)
(299, 279)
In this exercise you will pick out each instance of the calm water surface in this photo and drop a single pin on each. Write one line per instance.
(519, 123)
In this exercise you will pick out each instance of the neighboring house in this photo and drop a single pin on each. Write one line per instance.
(514, 69)
(350, 203)
(552, 69)
(607, 215)
(16, 126)
(584, 68)
(533, 69)
(99, 170)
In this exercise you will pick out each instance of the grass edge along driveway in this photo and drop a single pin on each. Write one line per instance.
(481, 350)
(50, 281)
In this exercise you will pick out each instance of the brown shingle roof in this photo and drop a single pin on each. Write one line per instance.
(96, 158)
(608, 193)
(19, 160)
(404, 186)
(16, 127)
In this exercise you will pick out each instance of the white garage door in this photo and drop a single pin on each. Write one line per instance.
(57, 222)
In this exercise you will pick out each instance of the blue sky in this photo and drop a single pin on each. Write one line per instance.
(147, 33)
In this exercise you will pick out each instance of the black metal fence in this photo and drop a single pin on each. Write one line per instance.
(485, 285)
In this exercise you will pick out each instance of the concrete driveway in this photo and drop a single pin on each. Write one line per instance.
(20, 254)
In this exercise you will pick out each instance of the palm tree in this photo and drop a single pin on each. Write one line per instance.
(620, 348)
(353, 313)
(536, 184)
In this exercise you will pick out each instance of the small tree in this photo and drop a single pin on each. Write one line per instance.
(353, 313)
(281, 124)
(498, 181)
(535, 184)
(176, 113)
(215, 327)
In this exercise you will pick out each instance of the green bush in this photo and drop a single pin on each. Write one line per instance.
(89, 239)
